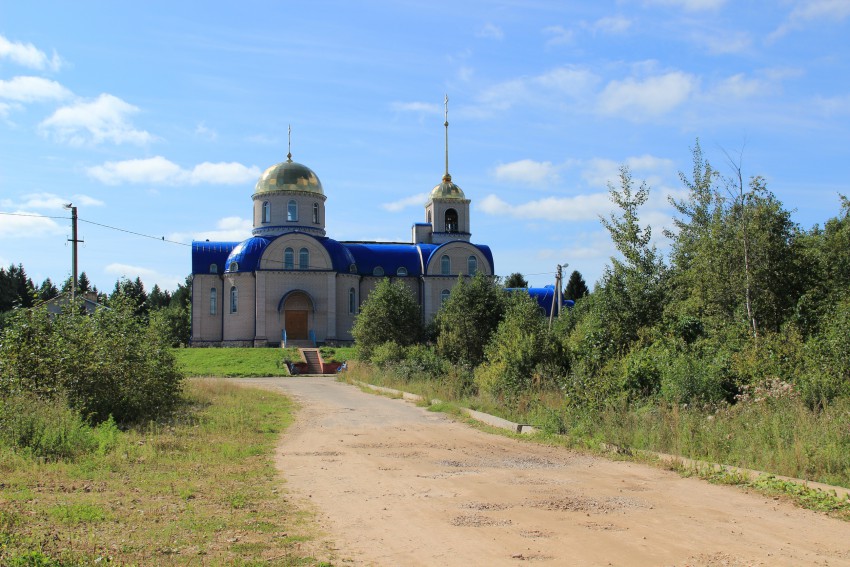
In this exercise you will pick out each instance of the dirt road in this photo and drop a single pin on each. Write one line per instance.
(395, 484)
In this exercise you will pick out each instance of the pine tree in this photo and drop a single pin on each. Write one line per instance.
(576, 287)
(516, 279)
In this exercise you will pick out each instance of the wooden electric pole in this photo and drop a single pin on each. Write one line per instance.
(73, 240)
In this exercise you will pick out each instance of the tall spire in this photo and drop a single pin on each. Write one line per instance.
(447, 176)
(289, 155)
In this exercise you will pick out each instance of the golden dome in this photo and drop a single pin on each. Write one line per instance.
(447, 190)
(289, 176)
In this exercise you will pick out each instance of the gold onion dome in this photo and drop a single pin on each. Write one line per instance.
(289, 176)
(447, 190)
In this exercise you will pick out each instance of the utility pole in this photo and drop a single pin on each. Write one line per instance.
(558, 295)
(73, 240)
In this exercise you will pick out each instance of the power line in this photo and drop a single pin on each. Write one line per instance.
(159, 238)
(32, 215)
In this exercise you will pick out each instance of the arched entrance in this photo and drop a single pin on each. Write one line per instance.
(296, 309)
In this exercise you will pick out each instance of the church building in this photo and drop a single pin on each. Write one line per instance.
(291, 283)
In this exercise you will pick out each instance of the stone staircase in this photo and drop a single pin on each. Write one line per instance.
(313, 360)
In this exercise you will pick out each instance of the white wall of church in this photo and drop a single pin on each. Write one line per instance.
(238, 327)
(206, 325)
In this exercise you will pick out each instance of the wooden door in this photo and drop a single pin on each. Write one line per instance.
(296, 325)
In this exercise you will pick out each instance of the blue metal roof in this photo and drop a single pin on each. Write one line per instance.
(388, 255)
(543, 295)
(205, 253)
(247, 254)
(341, 257)
(365, 255)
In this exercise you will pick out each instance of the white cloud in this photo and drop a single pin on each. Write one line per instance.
(527, 171)
(834, 105)
(653, 96)
(148, 276)
(32, 89)
(807, 11)
(690, 5)
(611, 25)
(739, 86)
(50, 201)
(228, 229)
(490, 31)
(28, 55)
(569, 80)
(106, 119)
(599, 172)
(426, 107)
(25, 224)
(223, 173)
(558, 35)
(724, 42)
(161, 171)
(578, 208)
(417, 200)
(204, 132)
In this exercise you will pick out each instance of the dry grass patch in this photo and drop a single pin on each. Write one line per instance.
(200, 490)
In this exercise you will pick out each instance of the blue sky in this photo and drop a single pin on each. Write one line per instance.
(158, 118)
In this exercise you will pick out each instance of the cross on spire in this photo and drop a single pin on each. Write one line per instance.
(289, 155)
(446, 124)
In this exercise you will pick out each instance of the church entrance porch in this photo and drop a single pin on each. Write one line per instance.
(297, 311)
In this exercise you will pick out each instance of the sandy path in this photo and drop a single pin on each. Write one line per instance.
(395, 484)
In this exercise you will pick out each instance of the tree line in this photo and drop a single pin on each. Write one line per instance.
(745, 300)
(17, 290)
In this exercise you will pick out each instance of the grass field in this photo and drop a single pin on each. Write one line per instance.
(200, 491)
(235, 362)
(247, 362)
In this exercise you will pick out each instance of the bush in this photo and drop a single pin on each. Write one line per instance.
(109, 363)
(519, 356)
(389, 314)
(827, 369)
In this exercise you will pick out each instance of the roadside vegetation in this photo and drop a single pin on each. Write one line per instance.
(108, 456)
(199, 488)
(733, 348)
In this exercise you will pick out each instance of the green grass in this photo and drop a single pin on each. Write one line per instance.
(235, 362)
(337, 354)
(199, 490)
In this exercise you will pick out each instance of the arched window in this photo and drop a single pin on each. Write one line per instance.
(451, 221)
(234, 299)
(292, 211)
(428, 217)
(267, 212)
(378, 271)
(315, 213)
(213, 268)
(303, 259)
(289, 259)
(352, 301)
(444, 296)
(402, 271)
(445, 265)
(234, 267)
(352, 268)
(213, 300)
(472, 265)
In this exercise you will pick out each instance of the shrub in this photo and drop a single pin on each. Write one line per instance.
(109, 363)
(390, 313)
